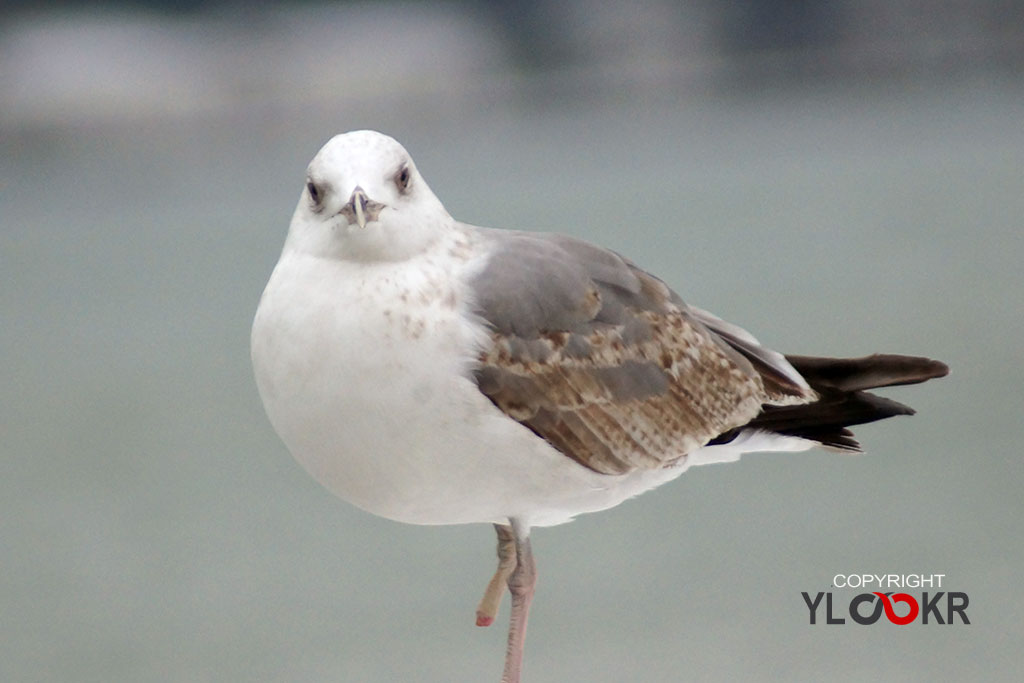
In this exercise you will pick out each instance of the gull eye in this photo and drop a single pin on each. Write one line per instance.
(403, 178)
(314, 192)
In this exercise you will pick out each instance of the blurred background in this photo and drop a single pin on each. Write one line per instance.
(840, 177)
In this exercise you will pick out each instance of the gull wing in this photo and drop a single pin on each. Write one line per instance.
(609, 365)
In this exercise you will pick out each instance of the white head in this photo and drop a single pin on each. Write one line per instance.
(364, 200)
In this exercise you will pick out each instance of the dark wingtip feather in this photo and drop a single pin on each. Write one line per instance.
(826, 420)
(868, 372)
(843, 400)
(843, 443)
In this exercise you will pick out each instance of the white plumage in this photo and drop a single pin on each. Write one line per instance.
(433, 372)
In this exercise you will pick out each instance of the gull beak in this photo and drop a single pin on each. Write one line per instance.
(360, 208)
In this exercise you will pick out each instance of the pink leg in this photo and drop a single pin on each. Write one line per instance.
(488, 607)
(520, 584)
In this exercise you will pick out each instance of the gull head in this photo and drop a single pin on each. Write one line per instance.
(364, 200)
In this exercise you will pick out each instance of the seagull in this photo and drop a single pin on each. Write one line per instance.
(434, 372)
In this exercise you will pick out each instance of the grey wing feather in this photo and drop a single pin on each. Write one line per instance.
(607, 363)
(781, 379)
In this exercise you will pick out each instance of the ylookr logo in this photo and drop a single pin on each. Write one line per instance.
(868, 608)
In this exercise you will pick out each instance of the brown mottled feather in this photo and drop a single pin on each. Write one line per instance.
(607, 363)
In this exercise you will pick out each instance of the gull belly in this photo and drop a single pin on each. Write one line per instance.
(365, 370)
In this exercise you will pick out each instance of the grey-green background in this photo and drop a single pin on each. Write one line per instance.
(153, 527)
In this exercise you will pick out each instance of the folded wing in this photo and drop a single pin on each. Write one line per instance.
(609, 365)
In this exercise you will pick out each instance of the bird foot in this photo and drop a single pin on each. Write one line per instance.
(487, 610)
